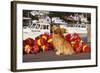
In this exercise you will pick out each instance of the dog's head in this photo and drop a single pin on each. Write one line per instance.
(57, 30)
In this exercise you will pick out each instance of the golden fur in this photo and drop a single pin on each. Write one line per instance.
(60, 44)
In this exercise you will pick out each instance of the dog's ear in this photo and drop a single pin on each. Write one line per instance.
(52, 28)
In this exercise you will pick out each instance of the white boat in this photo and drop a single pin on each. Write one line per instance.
(35, 30)
(57, 20)
(76, 28)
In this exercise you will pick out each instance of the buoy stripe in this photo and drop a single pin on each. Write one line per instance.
(50, 40)
(84, 47)
(72, 42)
(39, 42)
(44, 37)
(43, 47)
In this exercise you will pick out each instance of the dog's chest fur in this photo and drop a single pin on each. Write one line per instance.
(57, 40)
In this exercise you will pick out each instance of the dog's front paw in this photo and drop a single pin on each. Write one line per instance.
(58, 53)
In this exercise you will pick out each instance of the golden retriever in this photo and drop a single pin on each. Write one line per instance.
(61, 46)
